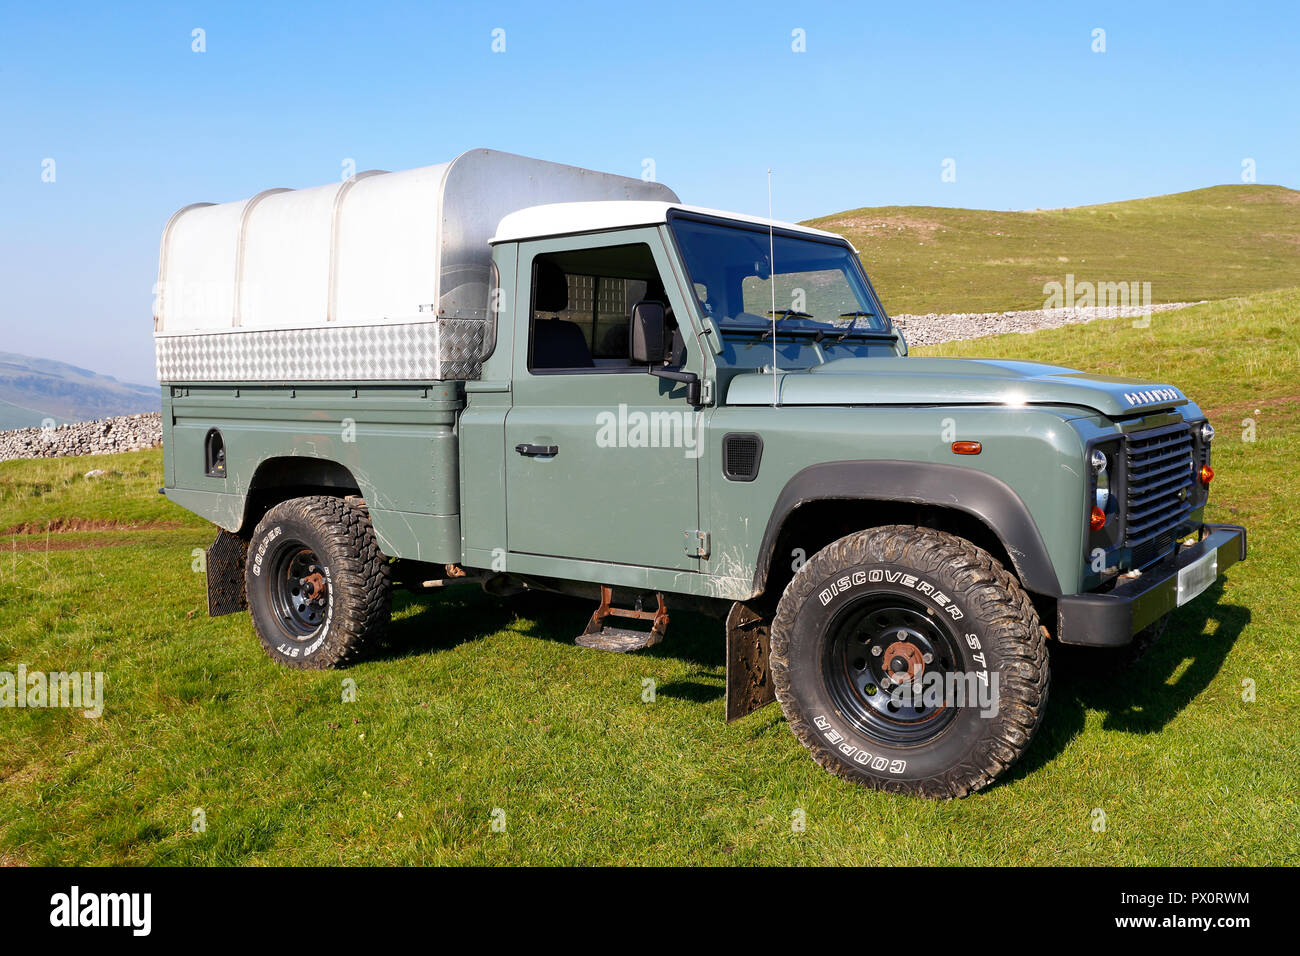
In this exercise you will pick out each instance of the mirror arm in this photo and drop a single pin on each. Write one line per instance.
(691, 380)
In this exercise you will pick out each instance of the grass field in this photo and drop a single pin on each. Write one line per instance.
(1206, 244)
(477, 706)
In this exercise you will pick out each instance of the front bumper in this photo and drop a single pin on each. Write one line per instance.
(1110, 619)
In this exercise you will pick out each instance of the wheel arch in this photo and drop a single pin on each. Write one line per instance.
(826, 501)
(280, 478)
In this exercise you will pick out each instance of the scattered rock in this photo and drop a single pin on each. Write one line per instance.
(935, 327)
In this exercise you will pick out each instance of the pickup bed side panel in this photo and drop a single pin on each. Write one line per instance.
(397, 443)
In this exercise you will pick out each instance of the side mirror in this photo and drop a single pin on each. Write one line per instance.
(646, 333)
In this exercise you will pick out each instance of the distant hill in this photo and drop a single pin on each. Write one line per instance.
(1206, 244)
(15, 416)
(33, 389)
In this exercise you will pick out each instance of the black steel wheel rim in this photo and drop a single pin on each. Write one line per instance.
(299, 590)
(874, 645)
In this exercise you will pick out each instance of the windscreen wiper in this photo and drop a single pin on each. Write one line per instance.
(859, 314)
(782, 314)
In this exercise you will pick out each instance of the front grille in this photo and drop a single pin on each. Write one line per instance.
(1158, 480)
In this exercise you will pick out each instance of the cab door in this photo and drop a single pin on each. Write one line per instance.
(601, 457)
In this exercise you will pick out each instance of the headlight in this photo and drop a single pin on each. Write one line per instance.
(1207, 433)
(1100, 478)
(1103, 491)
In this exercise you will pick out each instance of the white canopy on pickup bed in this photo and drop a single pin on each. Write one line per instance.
(383, 276)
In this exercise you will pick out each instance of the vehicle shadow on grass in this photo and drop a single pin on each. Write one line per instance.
(700, 640)
(691, 637)
(1151, 693)
(445, 619)
(440, 620)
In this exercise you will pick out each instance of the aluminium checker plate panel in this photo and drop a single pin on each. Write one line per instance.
(439, 350)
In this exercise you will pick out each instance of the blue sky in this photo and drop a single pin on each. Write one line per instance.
(138, 124)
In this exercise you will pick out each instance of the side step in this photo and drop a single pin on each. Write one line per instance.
(601, 637)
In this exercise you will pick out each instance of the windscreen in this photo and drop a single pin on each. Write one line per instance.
(819, 285)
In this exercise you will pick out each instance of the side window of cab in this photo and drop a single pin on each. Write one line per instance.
(581, 305)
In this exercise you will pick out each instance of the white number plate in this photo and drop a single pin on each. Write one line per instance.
(1197, 576)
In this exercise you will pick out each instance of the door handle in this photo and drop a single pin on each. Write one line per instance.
(538, 450)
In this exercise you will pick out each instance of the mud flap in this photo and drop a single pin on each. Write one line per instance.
(749, 682)
(225, 559)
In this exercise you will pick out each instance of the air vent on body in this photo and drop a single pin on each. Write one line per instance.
(740, 456)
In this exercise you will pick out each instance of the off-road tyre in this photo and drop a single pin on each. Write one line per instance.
(939, 592)
(346, 604)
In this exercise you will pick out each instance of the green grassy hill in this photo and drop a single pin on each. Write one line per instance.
(478, 705)
(1207, 244)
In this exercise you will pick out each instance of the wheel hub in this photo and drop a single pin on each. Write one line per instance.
(905, 662)
(299, 591)
(880, 644)
(313, 585)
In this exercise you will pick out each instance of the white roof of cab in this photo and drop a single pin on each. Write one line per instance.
(567, 218)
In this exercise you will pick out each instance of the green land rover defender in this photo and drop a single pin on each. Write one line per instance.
(532, 377)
